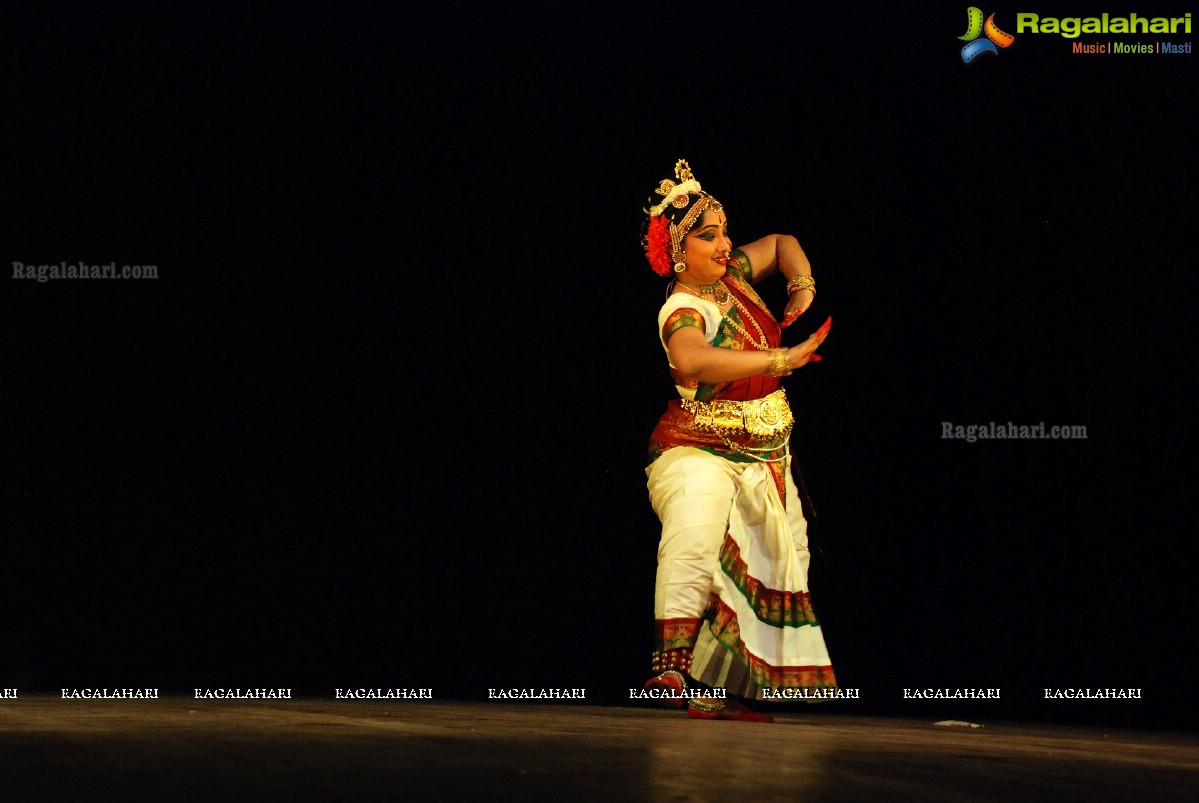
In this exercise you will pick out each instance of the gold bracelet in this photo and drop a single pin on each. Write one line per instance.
(801, 282)
(780, 362)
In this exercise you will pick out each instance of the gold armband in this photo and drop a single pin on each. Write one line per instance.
(780, 362)
(801, 282)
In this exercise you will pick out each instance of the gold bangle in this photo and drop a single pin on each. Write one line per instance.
(801, 282)
(780, 362)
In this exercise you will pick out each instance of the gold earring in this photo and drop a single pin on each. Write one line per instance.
(679, 267)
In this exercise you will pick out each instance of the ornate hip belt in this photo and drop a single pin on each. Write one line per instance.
(765, 419)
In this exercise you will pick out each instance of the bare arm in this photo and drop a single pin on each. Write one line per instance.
(782, 253)
(696, 359)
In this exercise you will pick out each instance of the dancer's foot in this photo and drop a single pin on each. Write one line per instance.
(668, 688)
(713, 708)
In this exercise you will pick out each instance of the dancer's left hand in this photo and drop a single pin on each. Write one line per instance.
(797, 305)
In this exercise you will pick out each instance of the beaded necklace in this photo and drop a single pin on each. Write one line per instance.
(765, 343)
(721, 295)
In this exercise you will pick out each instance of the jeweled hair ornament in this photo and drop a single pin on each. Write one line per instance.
(683, 202)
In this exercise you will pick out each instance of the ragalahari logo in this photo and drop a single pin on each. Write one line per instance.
(976, 45)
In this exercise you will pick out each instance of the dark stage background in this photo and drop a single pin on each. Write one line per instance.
(381, 419)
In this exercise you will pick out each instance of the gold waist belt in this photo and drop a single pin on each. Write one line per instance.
(765, 419)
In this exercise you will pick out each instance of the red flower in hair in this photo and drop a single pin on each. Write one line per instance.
(658, 245)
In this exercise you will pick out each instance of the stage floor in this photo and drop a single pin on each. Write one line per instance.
(181, 749)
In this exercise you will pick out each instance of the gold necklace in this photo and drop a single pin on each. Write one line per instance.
(719, 293)
(765, 344)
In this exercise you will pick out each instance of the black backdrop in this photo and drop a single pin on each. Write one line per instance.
(381, 419)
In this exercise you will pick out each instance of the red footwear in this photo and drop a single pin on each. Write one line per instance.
(668, 688)
(724, 709)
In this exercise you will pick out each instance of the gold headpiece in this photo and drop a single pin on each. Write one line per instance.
(675, 196)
